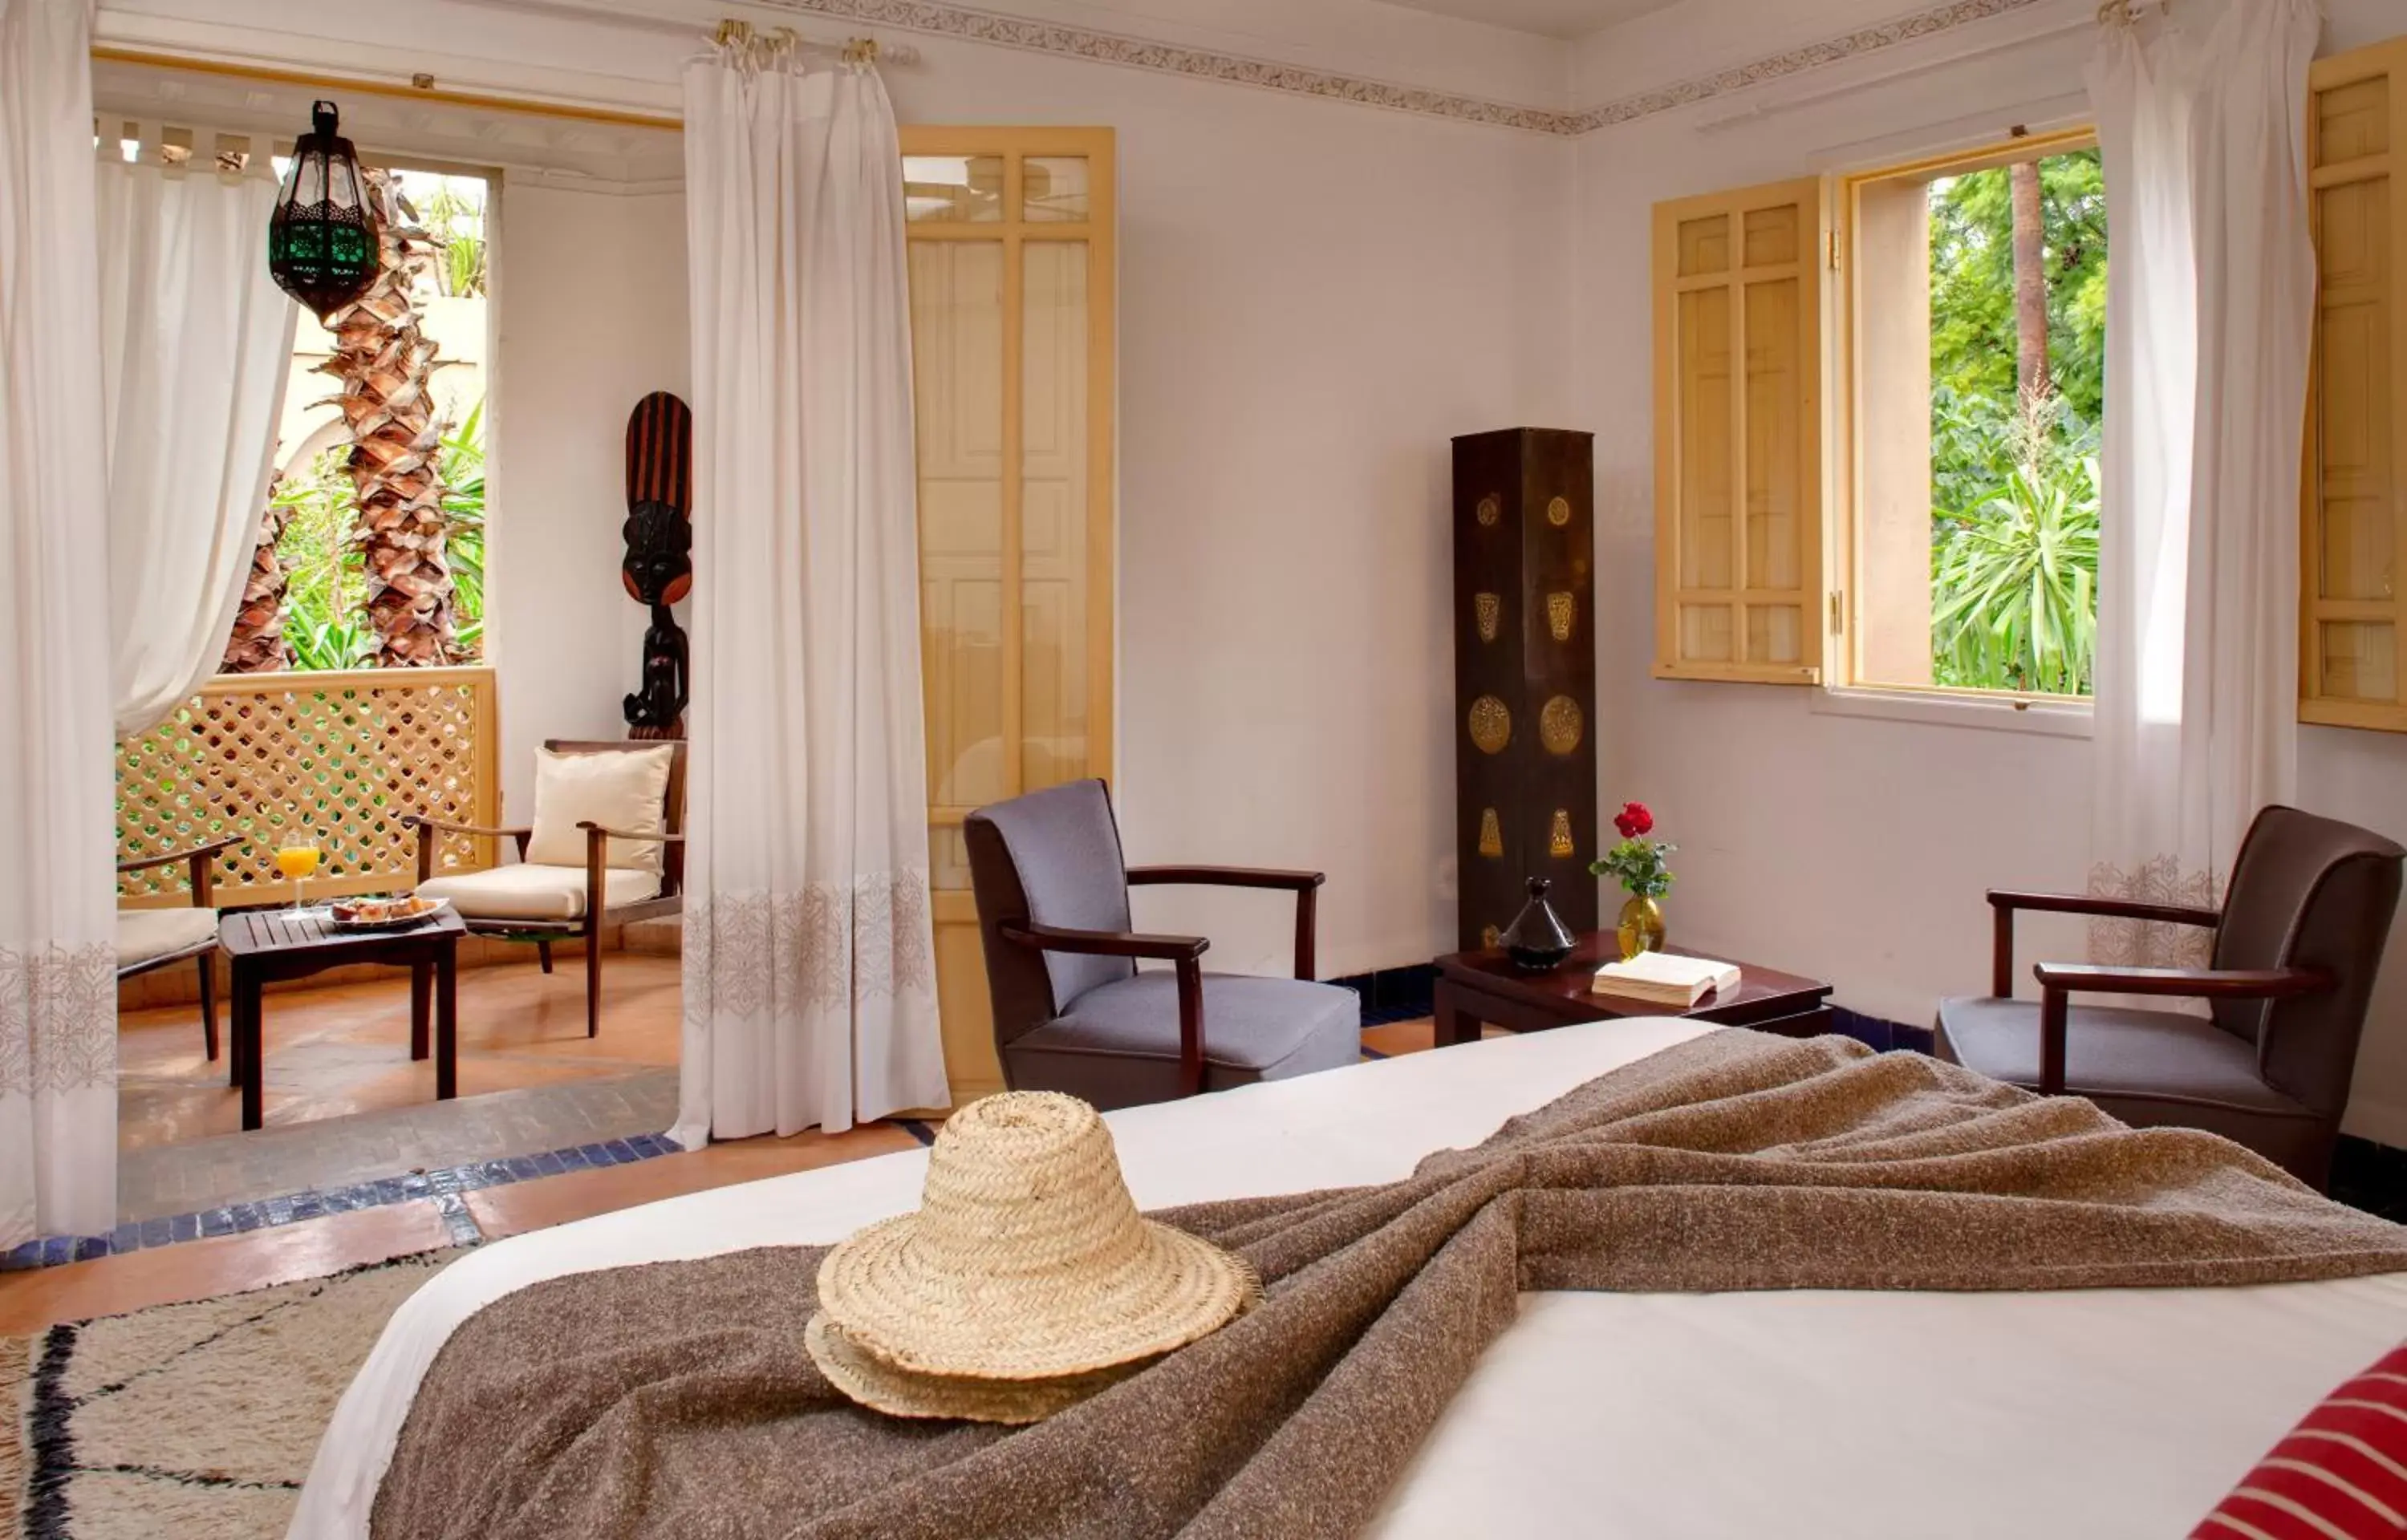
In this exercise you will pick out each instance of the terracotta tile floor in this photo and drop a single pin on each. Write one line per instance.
(314, 1248)
(346, 1104)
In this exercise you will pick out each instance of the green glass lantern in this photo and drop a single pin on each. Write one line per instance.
(321, 240)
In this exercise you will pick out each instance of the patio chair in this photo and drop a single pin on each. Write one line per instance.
(152, 939)
(609, 818)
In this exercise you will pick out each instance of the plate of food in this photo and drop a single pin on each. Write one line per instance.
(397, 913)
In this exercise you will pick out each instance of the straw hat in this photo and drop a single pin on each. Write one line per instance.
(1026, 1282)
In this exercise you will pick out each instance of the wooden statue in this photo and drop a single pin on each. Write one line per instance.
(659, 566)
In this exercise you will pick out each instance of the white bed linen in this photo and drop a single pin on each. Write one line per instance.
(2107, 1413)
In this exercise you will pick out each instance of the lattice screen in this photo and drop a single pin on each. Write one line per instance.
(342, 756)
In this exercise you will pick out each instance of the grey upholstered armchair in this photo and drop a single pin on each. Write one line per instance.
(2296, 945)
(1072, 1013)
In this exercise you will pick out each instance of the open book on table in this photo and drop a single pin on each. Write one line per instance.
(1663, 978)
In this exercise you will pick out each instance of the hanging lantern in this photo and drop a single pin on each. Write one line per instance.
(321, 240)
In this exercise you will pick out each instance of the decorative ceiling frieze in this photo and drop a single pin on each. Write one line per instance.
(942, 18)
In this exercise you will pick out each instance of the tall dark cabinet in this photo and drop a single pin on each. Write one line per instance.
(1524, 674)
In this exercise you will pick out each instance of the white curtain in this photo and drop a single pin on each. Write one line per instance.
(810, 968)
(195, 339)
(58, 994)
(2210, 317)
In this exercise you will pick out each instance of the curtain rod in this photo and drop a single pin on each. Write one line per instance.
(423, 88)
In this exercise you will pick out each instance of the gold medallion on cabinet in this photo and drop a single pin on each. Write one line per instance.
(1563, 613)
(1492, 508)
(1492, 834)
(1558, 512)
(1561, 725)
(1488, 611)
(1491, 725)
(1558, 843)
(1490, 937)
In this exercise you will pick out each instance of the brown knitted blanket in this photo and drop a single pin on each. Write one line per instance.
(677, 1398)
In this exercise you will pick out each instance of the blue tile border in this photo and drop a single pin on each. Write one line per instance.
(918, 1130)
(1393, 993)
(445, 1185)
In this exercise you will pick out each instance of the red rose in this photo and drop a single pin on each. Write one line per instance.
(1633, 820)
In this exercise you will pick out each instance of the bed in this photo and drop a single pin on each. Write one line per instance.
(2120, 1413)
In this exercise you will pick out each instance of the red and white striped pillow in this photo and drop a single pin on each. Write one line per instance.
(2341, 1475)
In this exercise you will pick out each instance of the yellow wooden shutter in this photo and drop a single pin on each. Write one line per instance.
(2355, 507)
(1739, 583)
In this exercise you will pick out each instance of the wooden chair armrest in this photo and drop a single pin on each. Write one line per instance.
(2002, 905)
(1183, 951)
(1305, 884)
(1298, 881)
(604, 831)
(2060, 981)
(420, 820)
(212, 848)
(2112, 908)
(2203, 983)
(1106, 943)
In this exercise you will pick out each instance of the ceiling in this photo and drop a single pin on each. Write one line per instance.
(1566, 18)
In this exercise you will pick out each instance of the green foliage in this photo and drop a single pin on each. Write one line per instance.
(463, 463)
(1639, 866)
(2015, 574)
(2014, 485)
(1973, 281)
(454, 214)
(325, 597)
(325, 600)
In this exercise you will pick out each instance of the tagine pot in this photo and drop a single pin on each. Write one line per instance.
(1538, 941)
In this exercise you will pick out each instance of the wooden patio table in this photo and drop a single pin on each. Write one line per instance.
(269, 945)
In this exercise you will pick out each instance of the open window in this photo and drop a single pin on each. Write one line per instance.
(1974, 291)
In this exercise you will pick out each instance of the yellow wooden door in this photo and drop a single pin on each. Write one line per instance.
(1011, 270)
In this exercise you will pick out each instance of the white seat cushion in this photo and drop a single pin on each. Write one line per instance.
(147, 935)
(531, 891)
(617, 788)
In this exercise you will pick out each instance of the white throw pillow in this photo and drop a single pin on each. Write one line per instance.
(622, 789)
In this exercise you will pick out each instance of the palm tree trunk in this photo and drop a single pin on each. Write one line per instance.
(257, 643)
(2030, 283)
(386, 362)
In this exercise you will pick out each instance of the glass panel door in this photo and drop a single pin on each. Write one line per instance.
(1011, 289)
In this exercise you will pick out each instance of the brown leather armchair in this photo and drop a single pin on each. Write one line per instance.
(2296, 945)
(1072, 1012)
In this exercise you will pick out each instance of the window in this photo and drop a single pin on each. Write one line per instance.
(2351, 625)
(1011, 268)
(327, 619)
(1976, 290)
(1957, 548)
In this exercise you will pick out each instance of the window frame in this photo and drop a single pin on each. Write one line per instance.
(1844, 676)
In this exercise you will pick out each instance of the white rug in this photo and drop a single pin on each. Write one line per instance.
(196, 1421)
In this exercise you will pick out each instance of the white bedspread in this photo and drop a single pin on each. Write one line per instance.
(2123, 1413)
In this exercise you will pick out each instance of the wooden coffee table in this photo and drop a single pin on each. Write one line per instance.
(270, 944)
(1488, 988)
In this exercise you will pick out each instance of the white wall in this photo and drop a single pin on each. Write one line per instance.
(1314, 297)
(1858, 849)
(591, 291)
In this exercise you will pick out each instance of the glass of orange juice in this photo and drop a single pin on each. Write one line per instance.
(298, 859)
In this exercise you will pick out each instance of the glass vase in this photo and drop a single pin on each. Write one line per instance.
(1641, 927)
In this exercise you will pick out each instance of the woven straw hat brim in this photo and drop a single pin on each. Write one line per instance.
(898, 1392)
(922, 1318)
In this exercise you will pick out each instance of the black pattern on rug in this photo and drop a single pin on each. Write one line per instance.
(198, 1420)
